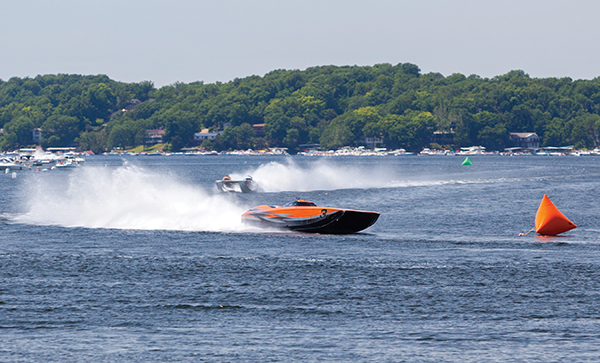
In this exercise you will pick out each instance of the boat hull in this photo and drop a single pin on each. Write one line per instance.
(68, 165)
(14, 167)
(310, 219)
(237, 186)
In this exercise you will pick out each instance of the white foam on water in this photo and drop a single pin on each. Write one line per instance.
(127, 197)
(323, 175)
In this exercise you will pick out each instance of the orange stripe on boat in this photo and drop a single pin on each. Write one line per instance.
(549, 220)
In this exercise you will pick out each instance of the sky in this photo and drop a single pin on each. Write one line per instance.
(169, 41)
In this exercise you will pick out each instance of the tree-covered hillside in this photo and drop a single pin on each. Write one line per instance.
(329, 105)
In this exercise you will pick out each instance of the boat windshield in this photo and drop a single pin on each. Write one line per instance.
(301, 203)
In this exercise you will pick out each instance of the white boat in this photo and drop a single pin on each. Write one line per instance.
(237, 186)
(66, 164)
(400, 152)
(13, 164)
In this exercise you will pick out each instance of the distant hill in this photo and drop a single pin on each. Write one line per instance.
(384, 105)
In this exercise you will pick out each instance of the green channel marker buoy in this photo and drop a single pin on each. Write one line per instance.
(467, 161)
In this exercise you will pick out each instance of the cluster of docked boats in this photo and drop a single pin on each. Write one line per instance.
(43, 161)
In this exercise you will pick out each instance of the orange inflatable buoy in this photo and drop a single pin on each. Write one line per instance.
(550, 221)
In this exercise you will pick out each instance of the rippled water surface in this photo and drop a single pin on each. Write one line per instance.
(140, 259)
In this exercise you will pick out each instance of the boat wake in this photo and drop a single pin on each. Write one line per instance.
(278, 177)
(127, 197)
(322, 175)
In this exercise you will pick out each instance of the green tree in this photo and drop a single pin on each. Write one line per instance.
(336, 135)
(8, 141)
(292, 139)
(236, 138)
(554, 133)
(420, 125)
(98, 99)
(90, 141)
(120, 136)
(141, 136)
(22, 128)
(494, 138)
(60, 130)
(584, 131)
(180, 127)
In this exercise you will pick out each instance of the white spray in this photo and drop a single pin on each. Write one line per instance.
(128, 198)
(277, 177)
(324, 175)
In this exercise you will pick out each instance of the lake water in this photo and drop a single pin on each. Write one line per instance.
(140, 259)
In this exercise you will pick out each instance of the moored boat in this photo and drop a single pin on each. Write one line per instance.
(306, 216)
(14, 166)
(65, 164)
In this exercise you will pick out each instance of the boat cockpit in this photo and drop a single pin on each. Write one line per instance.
(301, 203)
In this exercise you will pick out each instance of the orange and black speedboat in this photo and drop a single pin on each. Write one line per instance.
(306, 216)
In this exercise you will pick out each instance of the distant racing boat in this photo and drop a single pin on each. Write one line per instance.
(306, 216)
(240, 186)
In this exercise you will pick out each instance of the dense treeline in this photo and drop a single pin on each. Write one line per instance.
(331, 106)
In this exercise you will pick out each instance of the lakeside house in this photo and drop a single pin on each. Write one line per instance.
(259, 129)
(155, 136)
(36, 135)
(524, 140)
(372, 142)
(205, 134)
